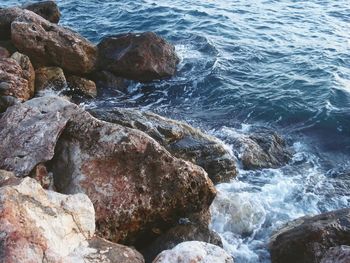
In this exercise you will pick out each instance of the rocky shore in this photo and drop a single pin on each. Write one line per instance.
(117, 185)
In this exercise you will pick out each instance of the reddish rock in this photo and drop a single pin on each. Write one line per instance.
(81, 85)
(29, 131)
(28, 72)
(42, 176)
(49, 78)
(12, 74)
(46, 9)
(308, 239)
(142, 57)
(137, 187)
(48, 44)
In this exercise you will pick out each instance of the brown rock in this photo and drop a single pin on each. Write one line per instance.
(180, 139)
(42, 176)
(7, 16)
(49, 77)
(27, 70)
(48, 44)
(29, 131)
(82, 85)
(141, 57)
(308, 239)
(137, 187)
(46, 9)
(4, 53)
(12, 74)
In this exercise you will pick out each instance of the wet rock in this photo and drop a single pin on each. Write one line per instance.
(4, 53)
(48, 44)
(308, 239)
(46, 9)
(6, 102)
(193, 252)
(28, 72)
(42, 226)
(29, 131)
(137, 187)
(142, 57)
(179, 234)
(339, 254)
(106, 79)
(49, 78)
(83, 86)
(179, 138)
(12, 74)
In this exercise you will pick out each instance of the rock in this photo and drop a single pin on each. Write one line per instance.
(7, 101)
(179, 234)
(42, 176)
(46, 9)
(48, 44)
(308, 239)
(339, 254)
(193, 252)
(7, 44)
(142, 57)
(106, 79)
(29, 131)
(28, 72)
(12, 74)
(4, 52)
(7, 178)
(42, 226)
(84, 86)
(179, 138)
(49, 78)
(137, 187)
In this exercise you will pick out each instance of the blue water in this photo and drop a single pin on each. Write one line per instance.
(279, 64)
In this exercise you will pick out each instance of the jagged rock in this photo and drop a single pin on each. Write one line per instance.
(141, 57)
(308, 239)
(194, 252)
(4, 53)
(339, 254)
(49, 78)
(137, 187)
(12, 74)
(179, 234)
(48, 44)
(82, 85)
(46, 9)
(28, 72)
(29, 131)
(41, 226)
(179, 138)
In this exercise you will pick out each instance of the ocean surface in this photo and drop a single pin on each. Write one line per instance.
(284, 65)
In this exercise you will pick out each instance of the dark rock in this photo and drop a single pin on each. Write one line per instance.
(46, 9)
(83, 86)
(179, 138)
(48, 44)
(49, 78)
(7, 44)
(137, 187)
(308, 239)
(7, 101)
(7, 16)
(29, 131)
(4, 53)
(142, 57)
(339, 254)
(106, 79)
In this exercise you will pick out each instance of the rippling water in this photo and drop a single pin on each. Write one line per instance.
(279, 64)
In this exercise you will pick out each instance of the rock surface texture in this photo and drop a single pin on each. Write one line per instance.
(83, 86)
(137, 187)
(28, 72)
(49, 78)
(142, 57)
(194, 252)
(48, 44)
(180, 139)
(46, 9)
(308, 239)
(29, 131)
(339, 254)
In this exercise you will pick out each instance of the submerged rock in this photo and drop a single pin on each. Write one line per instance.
(49, 78)
(180, 139)
(308, 239)
(48, 44)
(29, 131)
(194, 252)
(46, 9)
(141, 57)
(137, 187)
(83, 86)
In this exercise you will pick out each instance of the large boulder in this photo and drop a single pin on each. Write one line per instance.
(142, 57)
(180, 139)
(308, 239)
(137, 187)
(194, 252)
(46, 9)
(29, 131)
(15, 78)
(28, 72)
(48, 44)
